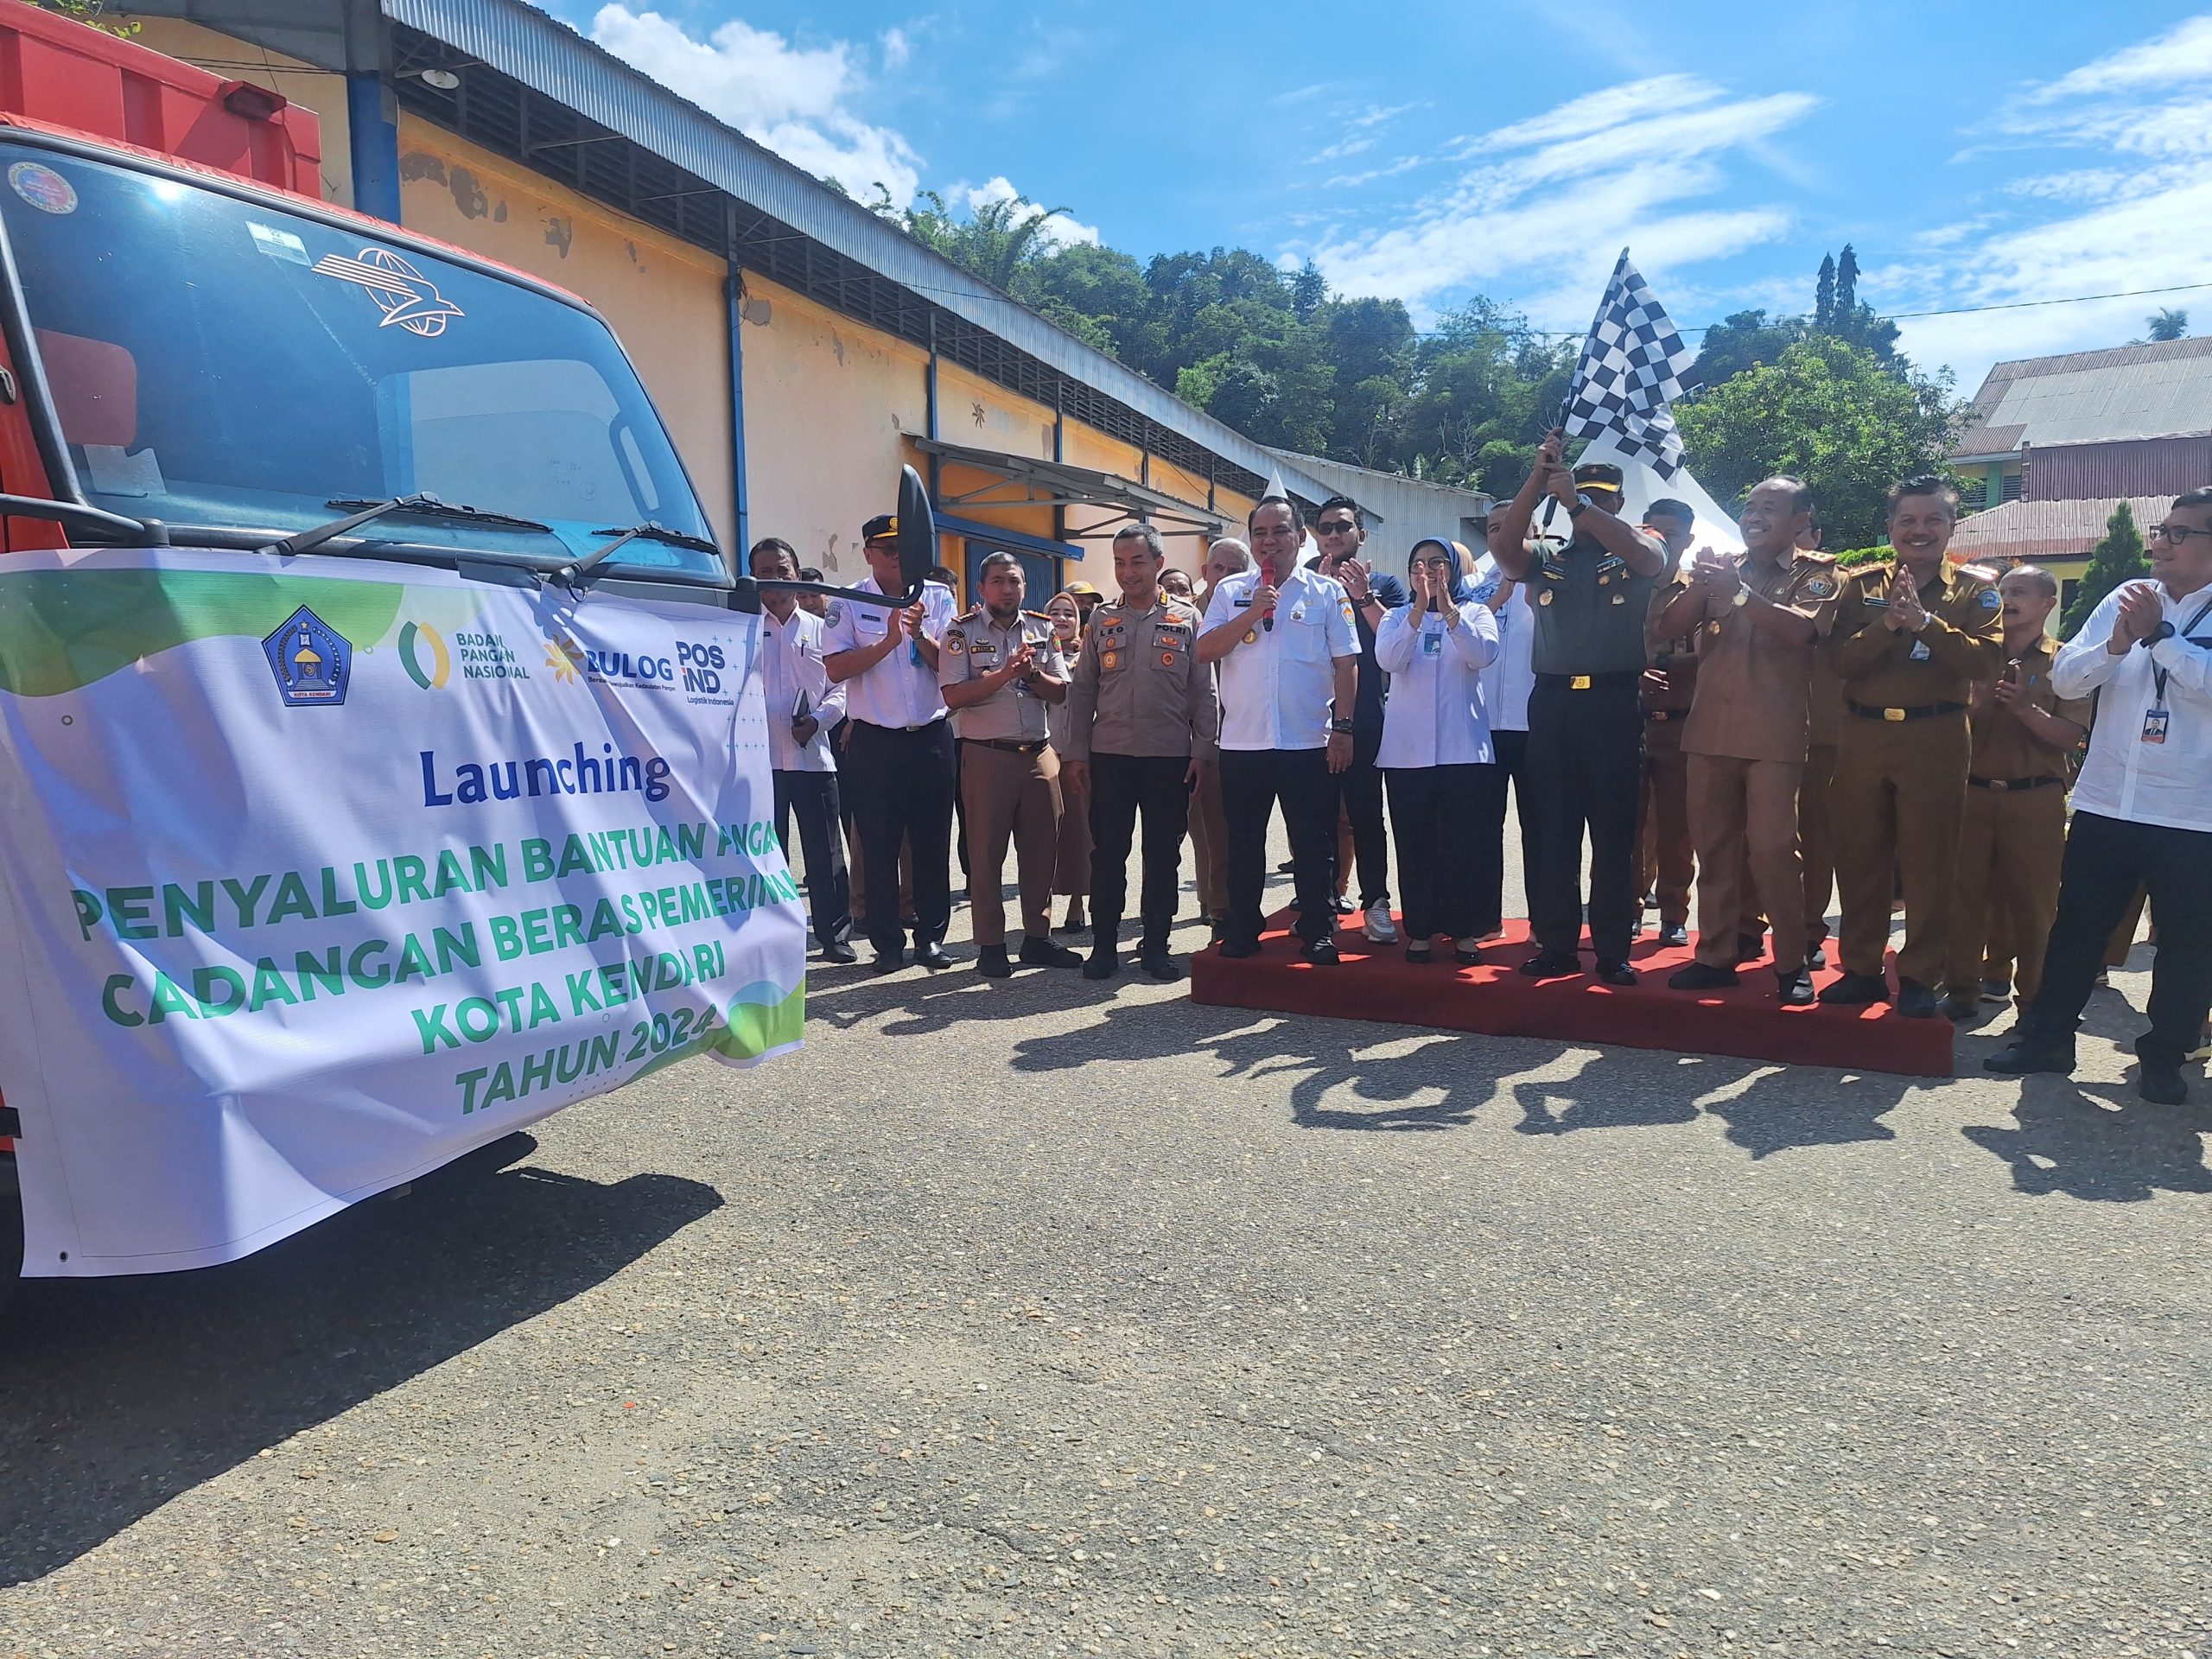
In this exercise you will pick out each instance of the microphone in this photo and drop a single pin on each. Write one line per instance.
(1267, 576)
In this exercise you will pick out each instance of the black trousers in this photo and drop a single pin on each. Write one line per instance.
(2106, 859)
(1434, 812)
(901, 787)
(813, 797)
(1486, 847)
(1252, 781)
(1123, 788)
(1585, 772)
(1361, 785)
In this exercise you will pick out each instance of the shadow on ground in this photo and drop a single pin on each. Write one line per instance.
(117, 1394)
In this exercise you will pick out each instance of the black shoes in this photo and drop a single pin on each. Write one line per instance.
(1750, 947)
(838, 951)
(1673, 936)
(1818, 958)
(1420, 951)
(1615, 973)
(2019, 1059)
(991, 963)
(1551, 964)
(1855, 991)
(1796, 988)
(2162, 1085)
(1961, 1007)
(1237, 949)
(1323, 952)
(888, 961)
(1101, 963)
(1701, 976)
(1915, 1000)
(1043, 953)
(932, 956)
(1155, 960)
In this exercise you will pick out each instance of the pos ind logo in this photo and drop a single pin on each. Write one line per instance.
(404, 294)
(422, 653)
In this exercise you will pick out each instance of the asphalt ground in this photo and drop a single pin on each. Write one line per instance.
(1037, 1317)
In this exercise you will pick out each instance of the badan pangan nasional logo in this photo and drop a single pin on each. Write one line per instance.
(312, 661)
(422, 653)
(408, 299)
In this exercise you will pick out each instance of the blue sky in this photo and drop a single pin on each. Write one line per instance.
(1973, 155)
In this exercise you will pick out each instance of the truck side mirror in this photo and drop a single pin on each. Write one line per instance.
(917, 534)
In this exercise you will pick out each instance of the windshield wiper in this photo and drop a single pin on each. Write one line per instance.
(421, 506)
(569, 574)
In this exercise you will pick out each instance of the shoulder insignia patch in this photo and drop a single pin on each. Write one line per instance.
(1811, 555)
(1991, 599)
(833, 613)
(955, 641)
(1978, 572)
(970, 615)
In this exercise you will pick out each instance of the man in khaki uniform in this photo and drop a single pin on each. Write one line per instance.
(1759, 618)
(998, 667)
(1141, 721)
(2014, 837)
(1910, 640)
(1669, 683)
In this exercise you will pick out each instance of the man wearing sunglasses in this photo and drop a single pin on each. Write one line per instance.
(2142, 809)
(1341, 531)
(1592, 575)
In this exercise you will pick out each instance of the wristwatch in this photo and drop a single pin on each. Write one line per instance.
(1578, 509)
(1743, 598)
(1341, 727)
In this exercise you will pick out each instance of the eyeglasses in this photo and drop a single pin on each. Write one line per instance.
(2177, 534)
(1344, 527)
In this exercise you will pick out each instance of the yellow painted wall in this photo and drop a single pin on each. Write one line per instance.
(234, 59)
(663, 298)
(974, 412)
(829, 405)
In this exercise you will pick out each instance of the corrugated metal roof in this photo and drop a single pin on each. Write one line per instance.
(2129, 391)
(548, 56)
(2047, 530)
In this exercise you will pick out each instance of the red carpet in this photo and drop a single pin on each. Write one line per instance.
(1376, 982)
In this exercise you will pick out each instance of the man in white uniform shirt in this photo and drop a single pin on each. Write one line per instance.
(1288, 657)
(2142, 809)
(899, 751)
(802, 705)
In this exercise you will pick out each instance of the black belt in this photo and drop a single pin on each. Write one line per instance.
(1588, 682)
(1927, 710)
(1660, 716)
(900, 731)
(2004, 784)
(1011, 745)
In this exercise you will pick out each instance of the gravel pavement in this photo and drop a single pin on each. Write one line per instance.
(1037, 1317)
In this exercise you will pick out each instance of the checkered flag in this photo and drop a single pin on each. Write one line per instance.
(1631, 370)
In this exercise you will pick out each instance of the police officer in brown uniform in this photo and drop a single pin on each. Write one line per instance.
(998, 667)
(1141, 721)
(1669, 685)
(1910, 641)
(2014, 837)
(1759, 619)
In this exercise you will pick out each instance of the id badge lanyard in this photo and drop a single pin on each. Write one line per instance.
(2154, 717)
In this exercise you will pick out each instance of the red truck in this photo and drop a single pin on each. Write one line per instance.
(211, 378)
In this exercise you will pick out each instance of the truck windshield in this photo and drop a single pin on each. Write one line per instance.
(223, 363)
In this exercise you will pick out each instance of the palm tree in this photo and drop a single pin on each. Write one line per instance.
(995, 242)
(2168, 324)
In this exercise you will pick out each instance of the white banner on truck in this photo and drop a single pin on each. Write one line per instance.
(317, 873)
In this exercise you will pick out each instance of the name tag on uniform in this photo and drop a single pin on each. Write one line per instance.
(2154, 725)
(1431, 644)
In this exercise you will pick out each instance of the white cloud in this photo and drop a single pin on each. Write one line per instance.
(799, 101)
(1341, 150)
(1634, 159)
(2128, 178)
(1060, 230)
(898, 47)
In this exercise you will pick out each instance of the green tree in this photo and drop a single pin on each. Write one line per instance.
(1832, 413)
(2120, 557)
(2168, 324)
(88, 12)
(1743, 340)
(995, 242)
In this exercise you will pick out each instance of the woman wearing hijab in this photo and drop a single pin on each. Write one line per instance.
(1436, 745)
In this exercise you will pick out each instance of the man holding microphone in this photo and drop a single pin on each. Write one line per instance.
(1289, 655)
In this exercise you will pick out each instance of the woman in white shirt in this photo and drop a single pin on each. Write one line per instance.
(1506, 685)
(1436, 745)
